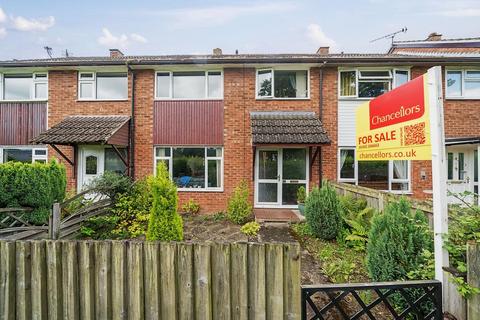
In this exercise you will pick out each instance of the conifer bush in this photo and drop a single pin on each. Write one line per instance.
(322, 212)
(397, 239)
(239, 207)
(165, 224)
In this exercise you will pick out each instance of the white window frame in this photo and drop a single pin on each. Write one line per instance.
(170, 166)
(272, 97)
(32, 90)
(463, 72)
(93, 81)
(205, 97)
(355, 170)
(35, 157)
(390, 174)
(359, 78)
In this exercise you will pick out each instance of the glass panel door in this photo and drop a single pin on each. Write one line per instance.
(268, 177)
(294, 174)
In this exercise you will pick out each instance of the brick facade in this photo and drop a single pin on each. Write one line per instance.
(462, 119)
(63, 101)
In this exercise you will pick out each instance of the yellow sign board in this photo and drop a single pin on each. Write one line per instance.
(395, 125)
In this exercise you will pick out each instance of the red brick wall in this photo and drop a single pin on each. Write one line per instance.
(239, 100)
(63, 101)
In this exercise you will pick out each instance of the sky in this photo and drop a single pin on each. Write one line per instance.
(90, 28)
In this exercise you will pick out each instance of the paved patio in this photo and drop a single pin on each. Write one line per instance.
(277, 215)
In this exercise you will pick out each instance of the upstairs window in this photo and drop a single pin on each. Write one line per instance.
(103, 86)
(283, 84)
(462, 84)
(24, 86)
(370, 83)
(189, 85)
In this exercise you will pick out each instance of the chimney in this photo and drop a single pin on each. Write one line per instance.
(434, 37)
(217, 52)
(323, 50)
(116, 53)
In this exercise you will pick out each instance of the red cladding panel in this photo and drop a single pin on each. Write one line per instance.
(21, 121)
(188, 122)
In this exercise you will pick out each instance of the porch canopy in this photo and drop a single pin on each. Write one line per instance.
(462, 140)
(75, 130)
(287, 128)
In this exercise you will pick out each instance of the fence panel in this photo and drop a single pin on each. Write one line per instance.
(390, 300)
(58, 279)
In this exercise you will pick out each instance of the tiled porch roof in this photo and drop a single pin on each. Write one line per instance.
(87, 130)
(287, 128)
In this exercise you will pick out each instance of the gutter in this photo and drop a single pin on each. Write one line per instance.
(335, 60)
(131, 160)
(320, 116)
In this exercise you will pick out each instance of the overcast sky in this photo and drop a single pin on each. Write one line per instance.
(89, 28)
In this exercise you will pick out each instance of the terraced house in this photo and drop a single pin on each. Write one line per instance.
(279, 121)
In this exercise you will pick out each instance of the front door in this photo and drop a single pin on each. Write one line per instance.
(278, 175)
(91, 164)
(460, 173)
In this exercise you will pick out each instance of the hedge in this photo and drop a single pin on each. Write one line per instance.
(34, 185)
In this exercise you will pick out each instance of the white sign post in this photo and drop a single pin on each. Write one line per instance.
(439, 169)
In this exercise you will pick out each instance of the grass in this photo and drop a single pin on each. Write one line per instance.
(339, 262)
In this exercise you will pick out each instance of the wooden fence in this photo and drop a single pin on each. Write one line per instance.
(148, 280)
(378, 199)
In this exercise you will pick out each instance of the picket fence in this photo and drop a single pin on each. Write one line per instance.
(53, 279)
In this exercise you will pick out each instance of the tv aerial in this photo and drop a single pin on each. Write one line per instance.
(390, 35)
(49, 50)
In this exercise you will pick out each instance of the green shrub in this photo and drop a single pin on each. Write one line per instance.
(250, 229)
(191, 207)
(34, 185)
(239, 207)
(302, 230)
(219, 216)
(349, 203)
(301, 195)
(322, 212)
(464, 227)
(133, 210)
(112, 184)
(165, 223)
(99, 228)
(396, 240)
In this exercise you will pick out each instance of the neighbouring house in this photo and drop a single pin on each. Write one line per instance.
(279, 121)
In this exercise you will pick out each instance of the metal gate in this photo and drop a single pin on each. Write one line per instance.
(381, 300)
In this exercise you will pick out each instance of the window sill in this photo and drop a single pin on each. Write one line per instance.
(355, 98)
(408, 193)
(23, 101)
(277, 99)
(189, 99)
(199, 190)
(462, 98)
(102, 100)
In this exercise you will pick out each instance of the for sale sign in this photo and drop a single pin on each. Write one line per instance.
(396, 125)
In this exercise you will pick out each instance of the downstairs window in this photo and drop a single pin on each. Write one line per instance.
(385, 175)
(193, 168)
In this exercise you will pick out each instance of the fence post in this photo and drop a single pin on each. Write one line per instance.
(55, 222)
(473, 279)
(381, 201)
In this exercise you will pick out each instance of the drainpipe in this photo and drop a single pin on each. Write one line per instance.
(320, 116)
(131, 160)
